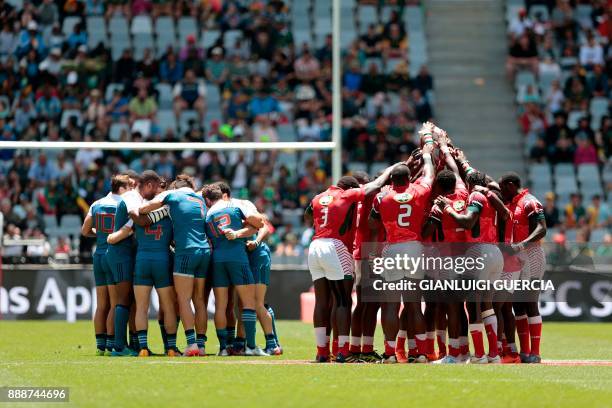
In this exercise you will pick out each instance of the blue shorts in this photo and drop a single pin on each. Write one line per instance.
(231, 273)
(260, 262)
(148, 272)
(122, 271)
(101, 269)
(194, 265)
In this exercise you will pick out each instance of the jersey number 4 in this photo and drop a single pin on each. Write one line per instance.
(402, 217)
(157, 231)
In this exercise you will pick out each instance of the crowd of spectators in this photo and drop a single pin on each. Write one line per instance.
(57, 86)
(564, 103)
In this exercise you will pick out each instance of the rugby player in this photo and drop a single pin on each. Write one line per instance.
(228, 227)
(187, 210)
(260, 260)
(480, 219)
(99, 223)
(120, 255)
(529, 228)
(329, 260)
(400, 211)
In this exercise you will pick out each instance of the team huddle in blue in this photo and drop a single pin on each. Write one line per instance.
(183, 243)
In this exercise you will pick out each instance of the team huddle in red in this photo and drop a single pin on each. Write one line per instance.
(433, 205)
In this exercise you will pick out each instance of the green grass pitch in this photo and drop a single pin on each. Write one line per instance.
(61, 354)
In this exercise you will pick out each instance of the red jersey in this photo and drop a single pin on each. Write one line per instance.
(334, 213)
(524, 206)
(511, 262)
(362, 229)
(486, 228)
(452, 231)
(402, 210)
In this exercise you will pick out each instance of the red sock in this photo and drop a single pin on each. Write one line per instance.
(476, 332)
(389, 348)
(400, 344)
(355, 349)
(464, 349)
(345, 349)
(505, 346)
(441, 340)
(412, 347)
(421, 343)
(453, 348)
(323, 351)
(430, 346)
(335, 347)
(492, 339)
(367, 348)
(535, 332)
(522, 329)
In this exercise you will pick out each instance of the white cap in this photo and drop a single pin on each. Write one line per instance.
(72, 78)
(32, 25)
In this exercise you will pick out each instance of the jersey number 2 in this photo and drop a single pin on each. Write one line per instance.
(402, 217)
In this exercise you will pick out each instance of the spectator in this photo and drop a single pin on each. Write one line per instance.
(170, 69)
(216, 68)
(263, 131)
(47, 13)
(48, 105)
(40, 249)
(30, 39)
(86, 157)
(42, 171)
(306, 67)
(523, 55)
(142, 106)
(520, 24)
(63, 246)
(53, 63)
(421, 106)
(370, 42)
(539, 152)
(191, 49)
(77, 38)
(575, 214)
(598, 213)
(262, 102)
(551, 212)
(190, 93)
(591, 53)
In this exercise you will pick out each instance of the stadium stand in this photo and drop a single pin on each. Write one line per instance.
(188, 71)
(560, 61)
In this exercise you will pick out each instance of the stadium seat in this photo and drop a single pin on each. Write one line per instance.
(545, 81)
(574, 117)
(166, 120)
(286, 133)
(588, 172)
(582, 14)
(598, 234)
(375, 168)
(366, 15)
(524, 79)
(564, 184)
(373, 60)
(69, 23)
(539, 9)
(165, 95)
(50, 223)
(71, 224)
(300, 37)
(229, 37)
(67, 114)
(357, 166)
(118, 27)
(570, 235)
(186, 26)
(598, 108)
(142, 25)
(186, 117)
(564, 170)
(110, 89)
(166, 36)
(96, 31)
(209, 37)
(413, 16)
(539, 174)
(142, 42)
(116, 129)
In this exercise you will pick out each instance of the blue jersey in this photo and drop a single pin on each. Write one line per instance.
(188, 213)
(103, 212)
(223, 216)
(154, 240)
(123, 250)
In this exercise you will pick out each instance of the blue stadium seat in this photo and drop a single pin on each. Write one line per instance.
(186, 26)
(142, 24)
(166, 36)
(165, 95)
(286, 133)
(166, 120)
(229, 37)
(541, 9)
(116, 129)
(96, 31)
(69, 23)
(141, 42)
(598, 234)
(110, 89)
(564, 170)
(186, 117)
(582, 14)
(357, 166)
(524, 79)
(366, 15)
(574, 117)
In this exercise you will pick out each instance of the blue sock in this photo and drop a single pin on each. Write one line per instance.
(222, 336)
(270, 341)
(142, 339)
(238, 343)
(134, 342)
(164, 335)
(190, 336)
(231, 334)
(101, 341)
(171, 340)
(249, 318)
(110, 341)
(122, 315)
(271, 311)
(201, 340)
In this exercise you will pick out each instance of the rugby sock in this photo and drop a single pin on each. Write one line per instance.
(535, 332)
(222, 336)
(505, 345)
(522, 329)
(335, 346)
(164, 335)
(389, 348)
(512, 348)
(231, 334)
(453, 347)
(134, 341)
(368, 344)
(431, 337)
(441, 339)
(101, 341)
(421, 343)
(401, 340)
(110, 341)
(171, 340)
(490, 323)
(355, 344)
(464, 344)
(201, 340)
(412, 347)
(122, 315)
(270, 341)
(249, 318)
(238, 344)
(476, 332)
(142, 339)
(190, 336)
(343, 345)
(322, 341)
(271, 311)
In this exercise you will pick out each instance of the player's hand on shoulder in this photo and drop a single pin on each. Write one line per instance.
(251, 245)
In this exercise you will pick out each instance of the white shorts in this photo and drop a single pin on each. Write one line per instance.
(328, 258)
(533, 262)
(410, 250)
(491, 257)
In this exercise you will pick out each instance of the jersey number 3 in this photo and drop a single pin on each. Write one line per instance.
(402, 217)
(324, 213)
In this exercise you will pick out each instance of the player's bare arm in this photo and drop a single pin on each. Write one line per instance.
(87, 229)
(429, 170)
(373, 186)
(119, 235)
(262, 234)
(467, 220)
(152, 205)
(538, 232)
